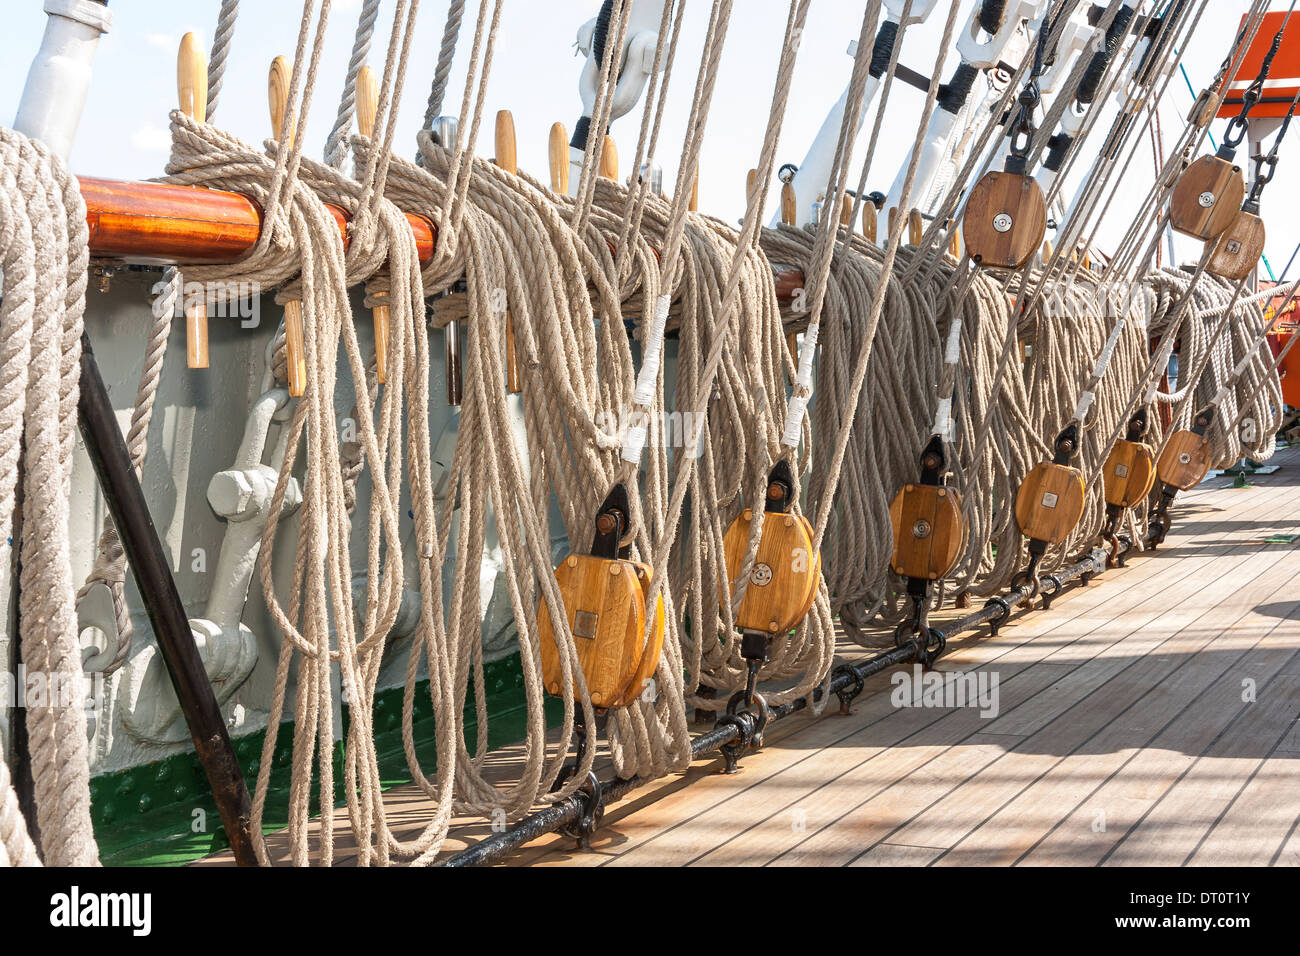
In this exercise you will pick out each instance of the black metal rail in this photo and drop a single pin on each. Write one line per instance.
(735, 733)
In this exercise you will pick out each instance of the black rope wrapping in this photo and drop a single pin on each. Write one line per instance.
(1101, 60)
(954, 93)
(883, 49)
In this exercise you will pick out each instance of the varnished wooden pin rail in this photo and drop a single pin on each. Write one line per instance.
(158, 223)
(163, 224)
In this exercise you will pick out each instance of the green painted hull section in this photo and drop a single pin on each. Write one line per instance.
(162, 814)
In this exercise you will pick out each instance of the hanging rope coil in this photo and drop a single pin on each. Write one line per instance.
(45, 253)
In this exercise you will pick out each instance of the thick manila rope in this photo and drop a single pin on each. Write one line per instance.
(45, 258)
(303, 240)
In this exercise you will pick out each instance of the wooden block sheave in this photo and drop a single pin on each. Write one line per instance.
(1239, 247)
(1129, 473)
(1206, 198)
(1185, 460)
(1050, 502)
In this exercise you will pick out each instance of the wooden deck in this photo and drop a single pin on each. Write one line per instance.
(1149, 718)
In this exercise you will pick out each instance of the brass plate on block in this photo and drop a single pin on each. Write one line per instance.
(605, 604)
(1050, 502)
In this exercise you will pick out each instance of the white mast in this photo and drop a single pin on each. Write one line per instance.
(814, 173)
(976, 55)
(59, 77)
(636, 62)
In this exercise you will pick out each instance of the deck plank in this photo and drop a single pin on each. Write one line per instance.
(1047, 777)
(680, 829)
(1169, 833)
(678, 810)
(1070, 711)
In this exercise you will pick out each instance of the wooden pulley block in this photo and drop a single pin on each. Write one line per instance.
(1005, 220)
(1239, 248)
(783, 581)
(1185, 460)
(1203, 110)
(1050, 502)
(786, 574)
(605, 604)
(927, 520)
(928, 531)
(1129, 473)
(604, 598)
(1206, 198)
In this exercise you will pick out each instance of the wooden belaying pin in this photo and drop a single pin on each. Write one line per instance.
(295, 350)
(915, 227)
(789, 211)
(508, 159)
(869, 212)
(367, 110)
(558, 158)
(789, 205)
(192, 88)
(609, 160)
(954, 244)
(694, 204)
(846, 211)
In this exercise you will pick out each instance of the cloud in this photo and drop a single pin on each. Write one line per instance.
(151, 139)
(163, 40)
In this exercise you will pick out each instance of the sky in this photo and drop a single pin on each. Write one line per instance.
(124, 131)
